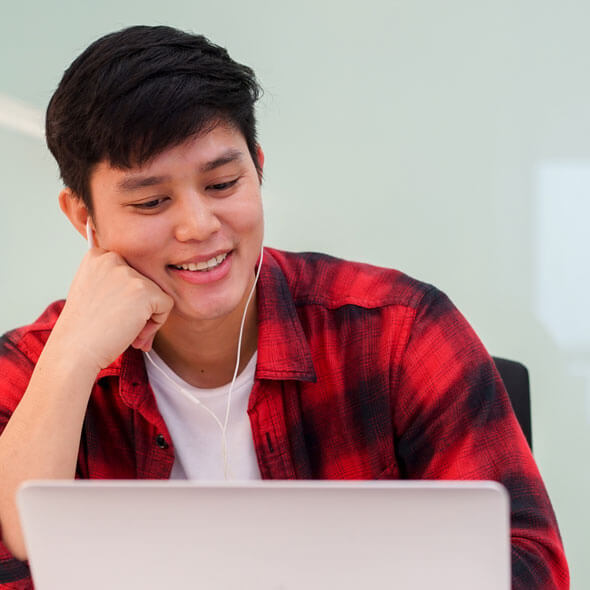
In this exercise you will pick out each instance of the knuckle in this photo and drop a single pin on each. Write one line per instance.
(137, 286)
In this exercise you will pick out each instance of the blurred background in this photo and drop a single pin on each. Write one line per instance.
(450, 140)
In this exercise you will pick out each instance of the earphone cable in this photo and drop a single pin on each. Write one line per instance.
(223, 427)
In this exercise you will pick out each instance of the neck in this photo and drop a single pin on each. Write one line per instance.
(204, 353)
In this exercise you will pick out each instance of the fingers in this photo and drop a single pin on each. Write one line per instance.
(145, 338)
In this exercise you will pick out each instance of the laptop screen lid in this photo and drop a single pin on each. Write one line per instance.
(266, 535)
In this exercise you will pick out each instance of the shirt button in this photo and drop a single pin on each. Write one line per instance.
(161, 441)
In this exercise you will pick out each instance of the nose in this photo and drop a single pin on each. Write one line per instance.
(196, 218)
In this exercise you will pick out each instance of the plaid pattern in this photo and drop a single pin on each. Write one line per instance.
(362, 373)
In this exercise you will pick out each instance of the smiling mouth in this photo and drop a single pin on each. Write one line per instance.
(202, 266)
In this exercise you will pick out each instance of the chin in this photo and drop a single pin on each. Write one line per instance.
(210, 312)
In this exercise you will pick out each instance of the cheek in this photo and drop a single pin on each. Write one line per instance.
(248, 220)
(139, 245)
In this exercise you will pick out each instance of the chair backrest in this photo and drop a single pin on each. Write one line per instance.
(516, 380)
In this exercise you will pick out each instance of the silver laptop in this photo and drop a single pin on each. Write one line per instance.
(266, 535)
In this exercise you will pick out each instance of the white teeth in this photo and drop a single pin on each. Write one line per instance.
(212, 263)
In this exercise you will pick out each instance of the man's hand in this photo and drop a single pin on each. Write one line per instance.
(109, 307)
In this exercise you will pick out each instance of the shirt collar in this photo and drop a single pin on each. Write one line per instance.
(130, 369)
(283, 349)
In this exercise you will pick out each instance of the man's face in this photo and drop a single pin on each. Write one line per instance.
(190, 220)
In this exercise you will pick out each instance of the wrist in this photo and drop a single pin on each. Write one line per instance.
(70, 355)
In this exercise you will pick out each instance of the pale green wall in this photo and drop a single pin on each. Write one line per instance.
(448, 139)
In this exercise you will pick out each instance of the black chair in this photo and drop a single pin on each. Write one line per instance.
(516, 380)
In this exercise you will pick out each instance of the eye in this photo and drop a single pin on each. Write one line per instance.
(223, 186)
(151, 204)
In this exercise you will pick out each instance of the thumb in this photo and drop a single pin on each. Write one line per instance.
(145, 338)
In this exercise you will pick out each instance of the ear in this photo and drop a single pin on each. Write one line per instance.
(75, 210)
(260, 155)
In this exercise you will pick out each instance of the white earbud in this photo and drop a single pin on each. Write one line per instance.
(89, 234)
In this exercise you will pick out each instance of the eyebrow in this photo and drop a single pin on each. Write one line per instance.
(131, 183)
(230, 156)
(134, 182)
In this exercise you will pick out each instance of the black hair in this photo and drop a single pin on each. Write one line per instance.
(134, 93)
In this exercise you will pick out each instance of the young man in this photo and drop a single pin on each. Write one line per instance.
(170, 359)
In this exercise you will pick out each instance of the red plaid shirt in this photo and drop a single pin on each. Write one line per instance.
(362, 373)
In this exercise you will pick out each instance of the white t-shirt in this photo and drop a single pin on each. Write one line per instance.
(196, 435)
